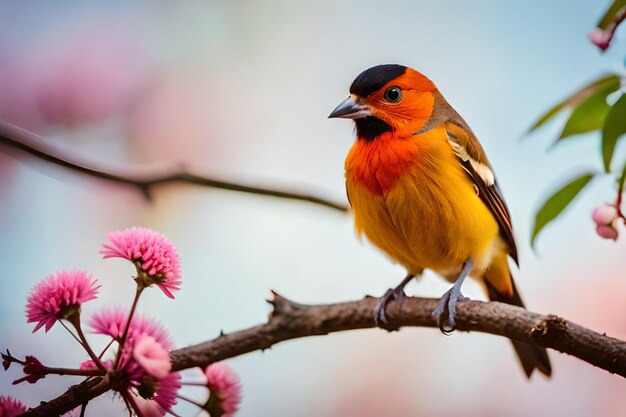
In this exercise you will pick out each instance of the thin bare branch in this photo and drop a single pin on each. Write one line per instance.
(290, 320)
(17, 138)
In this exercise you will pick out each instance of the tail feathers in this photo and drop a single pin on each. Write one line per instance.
(531, 357)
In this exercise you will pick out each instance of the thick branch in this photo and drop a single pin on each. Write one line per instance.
(290, 321)
(28, 142)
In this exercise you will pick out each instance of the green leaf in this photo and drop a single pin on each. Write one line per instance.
(614, 128)
(611, 13)
(590, 114)
(576, 98)
(557, 203)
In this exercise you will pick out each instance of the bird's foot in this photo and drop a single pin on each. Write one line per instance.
(448, 301)
(379, 311)
(445, 313)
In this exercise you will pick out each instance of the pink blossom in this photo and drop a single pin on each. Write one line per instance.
(59, 296)
(87, 73)
(601, 38)
(152, 357)
(223, 382)
(605, 217)
(163, 400)
(145, 360)
(89, 364)
(143, 374)
(144, 363)
(152, 252)
(83, 81)
(147, 408)
(10, 407)
(607, 232)
(111, 322)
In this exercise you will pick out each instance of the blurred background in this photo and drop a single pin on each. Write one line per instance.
(240, 91)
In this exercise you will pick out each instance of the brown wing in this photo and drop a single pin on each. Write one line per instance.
(474, 160)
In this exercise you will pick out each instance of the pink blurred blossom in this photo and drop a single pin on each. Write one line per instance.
(86, 75)
(607, 232)
(605, 214)
(163, 400)
(10, 407)
(147, 408)
(601, 38)
(152, 357)
(89, 364)
(223, 382)
(112, 320)
(92, 76)
(57, 296)
(176, 105)
(144, 361)
(152, 251)
(605, 217)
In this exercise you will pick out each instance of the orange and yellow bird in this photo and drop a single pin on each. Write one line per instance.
(422, 190)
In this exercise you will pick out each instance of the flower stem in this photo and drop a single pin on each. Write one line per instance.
(106, 348)
(189, 400)
(75, 320)
(195, 384)
(130, 317)
(70, 331)
(620, 192)
(129, 399)
(170, 412)
(77, 372)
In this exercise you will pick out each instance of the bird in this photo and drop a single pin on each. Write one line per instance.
(422, 190)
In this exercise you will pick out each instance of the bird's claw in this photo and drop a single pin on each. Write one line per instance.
(447, 303)
(380, 317)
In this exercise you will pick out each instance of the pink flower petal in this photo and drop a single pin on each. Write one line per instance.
(10, 407)
(152, 357)
(55, 294)
(600, 38)
(152, 251)
(111, 321)
(604, 214)
(607, 232)
(224, 382)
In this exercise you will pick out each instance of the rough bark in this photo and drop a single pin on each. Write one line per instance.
(290, 320)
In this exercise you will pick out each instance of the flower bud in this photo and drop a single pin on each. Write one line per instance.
(600, 38)
(607, 232)
(604, 215)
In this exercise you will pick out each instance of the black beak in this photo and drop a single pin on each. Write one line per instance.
(350, 109)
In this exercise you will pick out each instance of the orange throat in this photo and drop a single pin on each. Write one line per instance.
(379, 163)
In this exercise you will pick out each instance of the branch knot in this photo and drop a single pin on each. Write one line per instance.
(547, 326)
(282, 305)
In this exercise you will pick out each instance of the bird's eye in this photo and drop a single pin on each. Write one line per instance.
(393, 94)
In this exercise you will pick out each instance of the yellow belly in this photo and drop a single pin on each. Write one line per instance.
(430, 218)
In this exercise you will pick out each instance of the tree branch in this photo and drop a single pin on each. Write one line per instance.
(290, 320)
(28, 142)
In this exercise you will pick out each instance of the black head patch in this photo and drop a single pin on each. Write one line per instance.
(371, 80)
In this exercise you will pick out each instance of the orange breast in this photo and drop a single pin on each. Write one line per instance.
(378, 164)
(412, 199)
